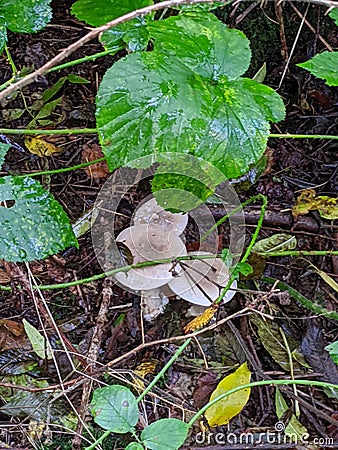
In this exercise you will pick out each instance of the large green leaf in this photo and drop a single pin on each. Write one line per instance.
(26, 16)
(3, 150)
(133, 33)
(165, 434)
(153, 102)
(323, 66)
(334, 15)
(204, 44)
(115, 408)
(33, 224)
(3, 33)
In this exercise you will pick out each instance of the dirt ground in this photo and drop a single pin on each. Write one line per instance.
(292, 165)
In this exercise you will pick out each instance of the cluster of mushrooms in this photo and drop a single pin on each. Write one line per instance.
(157, 234)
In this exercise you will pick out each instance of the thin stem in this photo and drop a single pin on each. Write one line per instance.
(11, 62)
(28, 132)
(301, 253)
(99, 440)
(165, 368)
(85, 59)
(305, 302)
(65, 169)
(260, 383)
(303, 136)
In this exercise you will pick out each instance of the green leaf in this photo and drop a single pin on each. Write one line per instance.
(33, 223)
(323, 66)
(134, 446)
(201, 7)
(333, 350)
(294, 428)
(76, 79)
(37, 340)
(48, 108)
(152, 103)
(115, 409)
(133, 33)
(26, 16)
(3, 33)
(165, 434)
(3, 151)
(334, 15)
(260, 74)
(276, 243)
(49, 93)
(204, 44)
(244, 268)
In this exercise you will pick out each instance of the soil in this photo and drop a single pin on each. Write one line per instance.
(293, 165)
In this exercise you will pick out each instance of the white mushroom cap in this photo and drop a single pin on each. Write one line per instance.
(200, 280)
(152, 213)
(147, 243)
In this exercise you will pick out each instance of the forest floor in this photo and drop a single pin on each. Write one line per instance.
(293, 165)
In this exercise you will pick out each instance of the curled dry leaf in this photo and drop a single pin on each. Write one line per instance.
(307, 201)
(91, 153)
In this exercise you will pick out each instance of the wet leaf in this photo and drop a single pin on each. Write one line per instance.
(37, 340)
(165, 434)
(37, 405)
(272, 341)
(307, 201)
(275, 243)
(39, 145)
(114, 408)
(3, 33)
(33, 223)
(323, 66)
(133, 33)
(91, 153)
(294, 428)
(333, 350)
(202, 320)
(313, 348)
(26, 16)
(181, 99)
(221, 412)
(3, 151)
(17, 361)
(334, 15)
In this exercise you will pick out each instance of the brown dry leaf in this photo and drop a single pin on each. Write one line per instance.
(307, 201)
(202, 320)
(12, 335)
(4, 274)
(43, 145)
(91, 153)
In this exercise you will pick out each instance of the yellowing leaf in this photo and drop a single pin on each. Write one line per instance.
(274, 243)
(293, 428)
(144, 369)
(41, 146)
(307, 201)
(201, 320)
(37, 340)
(330, 281)
(221, 412)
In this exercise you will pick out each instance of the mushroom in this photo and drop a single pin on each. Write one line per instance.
(153, 302)
(201, 280)
(148, 243)
(152, 213)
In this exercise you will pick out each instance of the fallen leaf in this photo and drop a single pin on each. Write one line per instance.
(205, 386)
(42, 145)
(293, 428)
(91, 153)
(144, 369)
(202, 320)
(307, 201)
(221, 412)
(276, 242)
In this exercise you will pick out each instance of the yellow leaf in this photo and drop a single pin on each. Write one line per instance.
(221, 412)
(293, 428)
(202, 320)
(307, 201)
(41, 146)
(144, 369)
